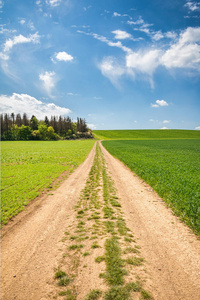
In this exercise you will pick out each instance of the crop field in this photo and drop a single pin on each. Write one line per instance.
(171, 167)
(28, 167)
(146, 134)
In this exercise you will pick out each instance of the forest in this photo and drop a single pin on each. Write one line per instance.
(20, 127)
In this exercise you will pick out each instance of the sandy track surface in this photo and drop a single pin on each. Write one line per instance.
(30, 250)
(170, 248)
(33, 248)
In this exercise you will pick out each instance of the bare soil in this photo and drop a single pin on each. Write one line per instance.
(33, 243)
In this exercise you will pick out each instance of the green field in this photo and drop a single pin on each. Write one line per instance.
(171, 167)
(28, 167)
(146, 134)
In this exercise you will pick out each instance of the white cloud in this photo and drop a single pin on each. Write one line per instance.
(20, 103)
(160, 103)
(4, 56)
(31, 25)
(186, 52)
(183, 52)
(53, 3)
(18, 39)
(115, 14)
(121, 35)
(164, 127)
(91, 126)
(5, 30)
(63, 56)
(140, 25)
(22, 21)
(157, 35)
(190, 35)
(48, 81)
(105, 40)
(112, 70)
(197, 128)
(97, 98)
(72, 94)
(171, 34)
(1, 4)
(143, 63)
(140, 21)
(191, 5)
(87, 7)
(166, 121)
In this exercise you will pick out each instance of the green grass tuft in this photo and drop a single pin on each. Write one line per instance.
(99, 259)
(135, 261)
(74, 247)
(93, 295)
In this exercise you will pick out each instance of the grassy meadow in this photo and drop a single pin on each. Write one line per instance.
(28, 167)
(170, 166)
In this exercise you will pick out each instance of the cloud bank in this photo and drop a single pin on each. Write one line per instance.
(184, 54)
(22, 103)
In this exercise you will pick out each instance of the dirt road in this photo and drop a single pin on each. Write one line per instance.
(33, 248)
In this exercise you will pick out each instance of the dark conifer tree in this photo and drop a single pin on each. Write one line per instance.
(18, 120)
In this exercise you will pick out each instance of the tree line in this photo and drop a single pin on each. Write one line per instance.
(20, 127)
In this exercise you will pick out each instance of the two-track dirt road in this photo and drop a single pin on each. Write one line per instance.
(30, 249)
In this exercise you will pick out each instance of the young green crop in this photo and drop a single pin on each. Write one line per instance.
(28, 167)
(146, 134)
(171, 167)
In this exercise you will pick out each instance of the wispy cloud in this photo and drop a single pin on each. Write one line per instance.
(115, 14)
(192, 5)
(1, 4)
(121, 35)
(20, 103)
(110, 68)
(18, 39)
(159, 103)
(48, 81)
(22, 21)
(53, 3)
(73, 94)
(5, 30)
(197, 128)
(103, 39)
(166, 121)
(85, 8)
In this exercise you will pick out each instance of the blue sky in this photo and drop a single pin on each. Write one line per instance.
(131, 64)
